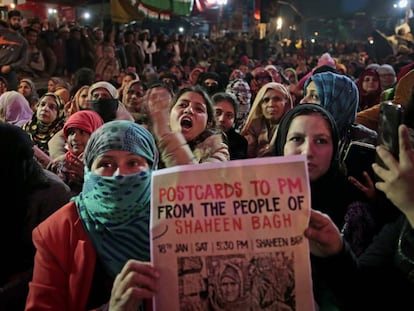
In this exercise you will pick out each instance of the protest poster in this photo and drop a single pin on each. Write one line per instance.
(229, 236)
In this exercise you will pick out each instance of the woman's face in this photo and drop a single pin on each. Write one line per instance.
(224, 111)
(24, 89)
(189, 115)
(311, 96)
(47, 110)
(117, 162)
(83, 99)
(311, 135)
(51, 86)
(230, 289)
(135, 97)
(77, 140)
(273, 105)
(370, 84)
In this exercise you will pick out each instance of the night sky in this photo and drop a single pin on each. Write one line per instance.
(334, 8)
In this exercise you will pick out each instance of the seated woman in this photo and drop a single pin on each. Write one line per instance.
(14, 108)
(185, 126)
(272, 101)
(311, 130)
(29, 195)
(77, 130)
(99, 242)
(45, 123)
(382, 277)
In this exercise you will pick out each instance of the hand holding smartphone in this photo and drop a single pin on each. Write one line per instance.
(390, 118)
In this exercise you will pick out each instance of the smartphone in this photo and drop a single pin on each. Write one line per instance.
(358, 158)
(390, 117)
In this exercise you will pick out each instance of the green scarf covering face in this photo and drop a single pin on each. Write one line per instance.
(115, 210)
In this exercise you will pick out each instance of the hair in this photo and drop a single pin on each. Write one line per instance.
(223, 96)
(209, 104)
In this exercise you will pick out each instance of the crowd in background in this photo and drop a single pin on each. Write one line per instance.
(192, 100)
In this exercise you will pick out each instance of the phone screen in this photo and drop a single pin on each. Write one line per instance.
(390, 118)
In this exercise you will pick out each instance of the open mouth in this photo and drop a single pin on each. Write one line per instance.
(186, 123)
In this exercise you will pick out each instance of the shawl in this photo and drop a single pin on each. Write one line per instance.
(115, 210)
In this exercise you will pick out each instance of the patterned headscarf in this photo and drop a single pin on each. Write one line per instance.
(41, 133)
(339, 95)
(116, 209)
(241, 90)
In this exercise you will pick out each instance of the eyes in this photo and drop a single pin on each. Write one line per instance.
(274, 98)
(300, 139)
(51, 106)
(108, 165)
(197, 107)
(227, 115)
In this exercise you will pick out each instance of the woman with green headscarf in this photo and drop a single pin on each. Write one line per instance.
(87, 245)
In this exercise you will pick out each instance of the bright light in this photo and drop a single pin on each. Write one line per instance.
(86, 15)
(401, 4)
(279, 23)
(12, 6)
(222, 2)
(51, 11)
(313, 40)
(181, 29)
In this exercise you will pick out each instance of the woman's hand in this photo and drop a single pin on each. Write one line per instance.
(137, 281)
(158, 102)
(368, 187)
(324, 237)
(398, 180)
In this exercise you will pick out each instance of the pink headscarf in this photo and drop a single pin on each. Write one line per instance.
(15, 108)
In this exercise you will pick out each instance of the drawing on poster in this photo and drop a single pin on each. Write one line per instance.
(238, 282)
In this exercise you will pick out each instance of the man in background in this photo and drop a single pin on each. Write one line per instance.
(13, 49)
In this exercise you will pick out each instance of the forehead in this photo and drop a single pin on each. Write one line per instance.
(101, 90)
(310, 124)
(193, 97)
(224, 105)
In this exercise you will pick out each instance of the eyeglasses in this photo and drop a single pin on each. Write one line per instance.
(274, 98)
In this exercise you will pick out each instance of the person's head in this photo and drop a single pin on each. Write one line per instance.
(226, 108)
(81, 97)
(103, 98)
(128, 77)
(191, 112)
(54, 83)
(336, 93)
(27, 87)
(310, 130)
(271, 102)
(387, 76)
(277, 74)
(241, 90)
(261, 76)
(291, 75)
(231, 283)
(78, 129)
(50, 109)
(14, 108)
(133, 96)
(121, 147)
(211, 82)
(14, 18)
(369, 82)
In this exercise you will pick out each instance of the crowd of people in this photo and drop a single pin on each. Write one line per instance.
(79, 155)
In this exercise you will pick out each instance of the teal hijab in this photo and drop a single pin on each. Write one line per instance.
(115, 210)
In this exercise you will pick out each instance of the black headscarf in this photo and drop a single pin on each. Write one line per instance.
(331, 193)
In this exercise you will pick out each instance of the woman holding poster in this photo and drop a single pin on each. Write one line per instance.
(311, 130)
(93, 252)
(382, 277)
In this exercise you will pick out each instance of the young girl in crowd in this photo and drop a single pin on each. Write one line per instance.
(77, 130)
(185, 126)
